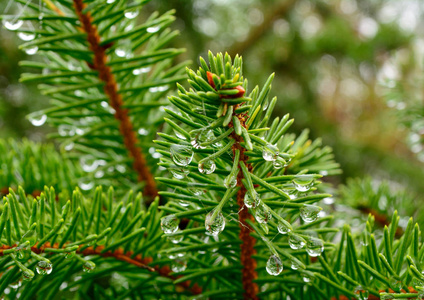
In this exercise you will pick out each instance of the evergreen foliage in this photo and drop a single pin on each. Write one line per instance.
(231, 211)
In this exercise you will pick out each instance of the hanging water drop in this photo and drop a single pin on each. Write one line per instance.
(179, 135)
(309, 213)
(230, 181)
(179, 265)
(207, 167)
(303, 183)
(201, 136)
(131, 14)
(26, 36)
(294, 264)
(296, 242)
(283, 228)
(68, 146)
(88, 266)
(12, 24)
(86, 184)
(32, 50)
(169, 224)
(395, 284)
(252, 202)
(15, 285)
(175, 239)
(120, 52)
(153, 29)
(143, 131)
(23, 252)
(214, 222)
(263, 213)
(361, 293)
(314, 247)
(27, 275)
(88, 163)
(66, 130)
(306, 278)
(195, 191)
(110, 1)
(270, 152)
(279, 163)
(37, 119)
(181, 155)
(274, 266)
(179, 173)
(44, 267)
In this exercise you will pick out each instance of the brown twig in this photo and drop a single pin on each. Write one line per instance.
(115, 99)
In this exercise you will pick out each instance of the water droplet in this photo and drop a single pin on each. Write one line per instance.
(270, 152)
(68, 146)
(143, 131)
(296, 242)
(181, 155)
(156, 89)
(207, 167)
(196, 191)
(314, 247)
(131, 14)
(44, 268)
(120, 52)
(179, 265)
(32, 50)
(283, 228)
(252, 203)
(141, 71)
(361, 293)
(88, 266)
(201, 136)
(395, 284)
(230, 181)
(179, 173)
(303, 183)
(12, 24)
(26, 36)
(169, 224)
(110, 1)
(309, 213)
(179, 135)
(175, 239)
(279, 163)
(15, 285)
(86, 184)
(27, 275)
(294, 264)
(263, 213)
(265, 104)
(153, 29)
(274, 266)
(323, 172)
(215, 222)
(66, 130)
(306, 278)
(23, 252)
(328, 200)
(70, 254)
(88, 163)
(30, 236)
(37, 119)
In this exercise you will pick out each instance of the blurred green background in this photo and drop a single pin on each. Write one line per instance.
(350, 71)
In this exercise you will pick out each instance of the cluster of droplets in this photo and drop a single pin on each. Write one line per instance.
(214, 222)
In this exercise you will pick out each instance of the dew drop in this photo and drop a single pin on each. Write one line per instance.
(32, 50)
(283, 228)
(296, 242)
(361, 293)
(184, 203)
(214, 222)
(306, 278)
(181, 155)
(274, 266)
(153, 29)
(68, 146)
(15, 285)
(279, 163)
(120, 52)
(270, 152)
(23, 253)
(263, 213)
(88, 266)
(230, 181)
(180, 135)
(169, 224)
(66, 130)
(131, 14)
(27, 275)
(252, 202)
(141, 71)
(179, 265)
(207, 167)
(395, 284)
(303, 183)
(314, 247)
(37, 119)
(26, 36)
(179, 173)
(294, 264)
(44, 268)
(86, 184)
(201, 136)
(196, 191)
(175, 239)
(143, 131)
(88, 163)
(12, 24)
(110, 1)
(309, 213)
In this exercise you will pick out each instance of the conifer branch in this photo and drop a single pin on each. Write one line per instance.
(116, 101)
